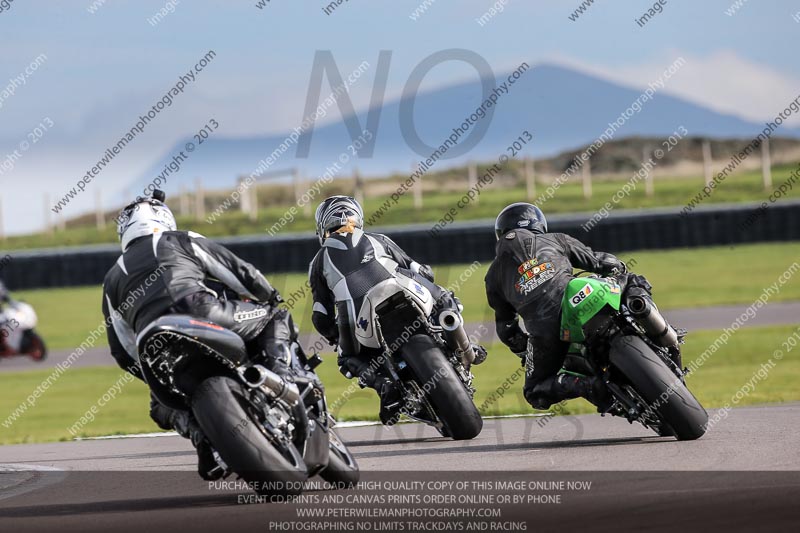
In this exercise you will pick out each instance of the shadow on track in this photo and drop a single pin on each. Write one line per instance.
(118, 506)
(465, 447)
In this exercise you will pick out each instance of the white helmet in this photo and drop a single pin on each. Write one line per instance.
(143, 217)
(335, 212)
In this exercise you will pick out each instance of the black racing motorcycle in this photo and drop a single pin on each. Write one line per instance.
(272, 432)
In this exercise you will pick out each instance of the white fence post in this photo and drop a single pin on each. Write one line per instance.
(586, 177)
(199, 200)
(100, 217)
(417, 188)
(530, 178)
(766, 165)
(184, 201)
(358, 186)
(706, 160)
(244, 203)
(649, 179)
(472, 178)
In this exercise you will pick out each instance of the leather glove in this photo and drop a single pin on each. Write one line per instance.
(426, 272)
(275, 299)
(609, 264)
(458, 303)
(635, 280)
(348, 367)
(480, 354)
(511, 335)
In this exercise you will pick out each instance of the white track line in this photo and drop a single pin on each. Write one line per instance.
(23, 484)
(347, 424)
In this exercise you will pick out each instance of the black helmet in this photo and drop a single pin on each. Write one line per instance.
(520, 216)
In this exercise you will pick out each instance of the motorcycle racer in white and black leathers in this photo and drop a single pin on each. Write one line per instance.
(164, 271)
(350, 263)
(527, 279)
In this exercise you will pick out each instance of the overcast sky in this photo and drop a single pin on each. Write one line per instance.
(103, 69)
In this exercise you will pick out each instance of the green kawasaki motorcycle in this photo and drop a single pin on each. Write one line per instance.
(631, 347)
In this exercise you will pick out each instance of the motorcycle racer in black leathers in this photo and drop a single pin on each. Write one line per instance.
(164, 271)
(350, 263)
(527, 279)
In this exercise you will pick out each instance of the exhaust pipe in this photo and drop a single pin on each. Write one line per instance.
(454, 334)
(256, 376)
(648, 316)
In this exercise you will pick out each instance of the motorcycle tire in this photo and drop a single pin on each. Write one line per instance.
(35, 346)
(342, 469)
(245, 449)
(677, 408)
(450, 399)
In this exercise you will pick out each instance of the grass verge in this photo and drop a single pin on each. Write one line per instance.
(715, 384)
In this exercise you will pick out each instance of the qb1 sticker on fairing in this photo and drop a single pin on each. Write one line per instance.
(581, 295)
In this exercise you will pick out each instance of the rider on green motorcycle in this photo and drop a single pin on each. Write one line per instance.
(527, 279)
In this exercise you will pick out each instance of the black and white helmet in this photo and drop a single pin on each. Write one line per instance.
(145, 216)
(335, 212)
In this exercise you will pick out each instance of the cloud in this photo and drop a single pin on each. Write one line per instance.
(721, 81)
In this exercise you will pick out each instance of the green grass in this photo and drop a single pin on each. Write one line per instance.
(715, 384)
(681, 278)
(669, 191)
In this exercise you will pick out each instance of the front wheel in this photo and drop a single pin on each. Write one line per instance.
(220, 407)
(450, 399)
(664, 392)
(34, 346)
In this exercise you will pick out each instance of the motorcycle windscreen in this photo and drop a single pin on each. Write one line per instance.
(583, 299)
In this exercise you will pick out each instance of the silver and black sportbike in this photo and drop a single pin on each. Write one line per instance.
(273, 432)
(428, 357)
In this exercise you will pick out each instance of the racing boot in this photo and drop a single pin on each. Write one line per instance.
(391, 401)
(207, 465)
(568, 386)
(187, 427)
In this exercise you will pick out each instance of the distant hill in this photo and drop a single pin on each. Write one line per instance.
(562, 108)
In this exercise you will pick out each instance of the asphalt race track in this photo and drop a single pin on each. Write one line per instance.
(776, 313)
(744, 474)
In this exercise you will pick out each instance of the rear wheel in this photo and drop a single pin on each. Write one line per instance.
(342, 466)
(450, 399)
(219, 405)
(663, 391)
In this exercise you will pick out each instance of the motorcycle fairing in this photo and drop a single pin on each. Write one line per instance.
(366, 331)
(219, 339)
(583, 299)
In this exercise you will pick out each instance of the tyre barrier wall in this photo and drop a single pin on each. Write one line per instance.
(458, 243)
